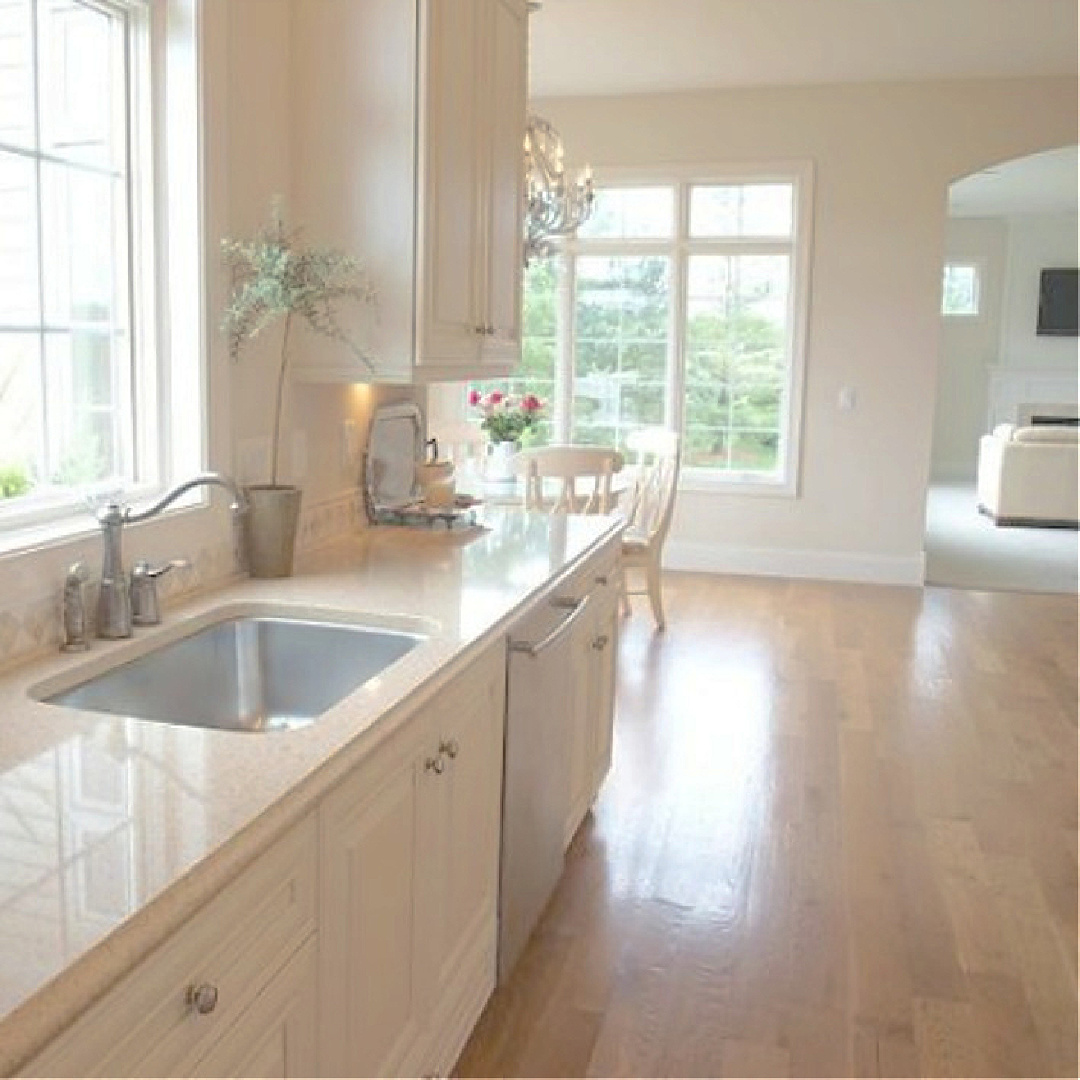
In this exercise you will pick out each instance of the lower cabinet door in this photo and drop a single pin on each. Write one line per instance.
(373, 989)
(465, 805)
(276, 1035)
(602, 688)
(580, 731)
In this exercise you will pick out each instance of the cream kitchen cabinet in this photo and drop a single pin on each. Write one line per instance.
(410, 119)
(466, 808)
(375, 889)
(409, 848)
(277, 1034)
(405, 854)
(593, 687)
(233, 988)
(603, 672)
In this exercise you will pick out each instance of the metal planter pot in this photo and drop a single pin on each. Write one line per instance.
(272, 518)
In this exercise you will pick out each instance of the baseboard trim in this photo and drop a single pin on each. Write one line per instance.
(780, 562)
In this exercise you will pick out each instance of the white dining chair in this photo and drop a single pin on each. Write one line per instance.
(596, 466)
(649, 509)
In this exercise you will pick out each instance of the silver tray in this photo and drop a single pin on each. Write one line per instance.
(419, 515)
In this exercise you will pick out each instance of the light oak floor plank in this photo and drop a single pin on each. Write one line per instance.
(839, 839)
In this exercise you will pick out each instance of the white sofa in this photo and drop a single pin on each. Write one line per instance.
(1028, 475)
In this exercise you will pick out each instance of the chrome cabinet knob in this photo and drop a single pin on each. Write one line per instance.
(602, 579)
(203, 998)
(450, 748)
(435, 765)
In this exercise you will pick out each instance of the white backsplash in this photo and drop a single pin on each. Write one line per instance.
(30, 623)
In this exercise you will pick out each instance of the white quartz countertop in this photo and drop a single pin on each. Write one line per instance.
(113, 830)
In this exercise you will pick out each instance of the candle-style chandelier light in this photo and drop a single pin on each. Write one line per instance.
(553, 206)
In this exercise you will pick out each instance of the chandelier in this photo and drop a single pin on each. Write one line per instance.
(553, 207)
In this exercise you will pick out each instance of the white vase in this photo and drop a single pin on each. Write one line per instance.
(499, 467)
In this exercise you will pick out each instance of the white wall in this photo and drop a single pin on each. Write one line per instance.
(264, 162)
(884, 156)
(969, 347)
(1035, 241)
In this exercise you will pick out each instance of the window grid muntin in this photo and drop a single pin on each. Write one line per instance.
(795, 248)
(50, 500)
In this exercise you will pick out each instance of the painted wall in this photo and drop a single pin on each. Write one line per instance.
(1035, 241)
(884, 155)
(263, 118)
(969, 347)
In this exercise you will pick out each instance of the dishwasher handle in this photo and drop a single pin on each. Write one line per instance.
(533, 649)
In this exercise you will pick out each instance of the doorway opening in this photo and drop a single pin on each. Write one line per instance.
(1002, 501)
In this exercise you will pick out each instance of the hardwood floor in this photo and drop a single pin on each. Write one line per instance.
(839, 838)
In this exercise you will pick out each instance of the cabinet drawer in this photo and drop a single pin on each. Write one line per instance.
(146, 1024)
(603, 572)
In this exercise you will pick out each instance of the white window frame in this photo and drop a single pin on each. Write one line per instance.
(165, 286)
(679, 248)
(976, 265)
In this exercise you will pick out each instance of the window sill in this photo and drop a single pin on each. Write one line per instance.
(710, 485)
(77, 526)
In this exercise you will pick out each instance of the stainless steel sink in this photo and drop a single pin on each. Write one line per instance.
(261, 673)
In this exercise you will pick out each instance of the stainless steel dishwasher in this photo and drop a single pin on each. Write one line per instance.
(536, 770)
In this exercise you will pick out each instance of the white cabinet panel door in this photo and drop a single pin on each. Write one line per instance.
(373, 1000)
(451, 231)
(276, 1036)
(504, 97)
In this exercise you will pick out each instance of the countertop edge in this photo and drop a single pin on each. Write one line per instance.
(35, 1022)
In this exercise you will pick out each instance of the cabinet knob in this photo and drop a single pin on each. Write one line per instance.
(600, 642)
(435, 765)
(481, 330)
(203, 998)
(489, 330)
(450, 748)
(602, 579)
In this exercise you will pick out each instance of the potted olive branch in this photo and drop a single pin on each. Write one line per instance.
(275, 277)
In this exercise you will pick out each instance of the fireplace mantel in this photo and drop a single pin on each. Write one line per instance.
(1010, 389)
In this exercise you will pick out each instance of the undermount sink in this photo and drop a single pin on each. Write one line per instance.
(245, 673)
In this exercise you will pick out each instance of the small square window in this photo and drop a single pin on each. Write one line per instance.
(960, 289)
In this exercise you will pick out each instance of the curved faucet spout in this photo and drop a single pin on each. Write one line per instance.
(114, 601)
(238, 504)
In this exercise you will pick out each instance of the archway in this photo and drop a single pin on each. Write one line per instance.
(1007, 360)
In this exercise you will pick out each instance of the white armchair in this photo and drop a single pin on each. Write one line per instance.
(1028, 475)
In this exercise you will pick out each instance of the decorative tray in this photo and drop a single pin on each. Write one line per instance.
(462, 515)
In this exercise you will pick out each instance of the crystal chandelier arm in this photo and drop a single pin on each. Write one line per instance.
(552, 207)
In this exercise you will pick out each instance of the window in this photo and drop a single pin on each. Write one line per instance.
(82, 347)
(960, 289)
(678, 303)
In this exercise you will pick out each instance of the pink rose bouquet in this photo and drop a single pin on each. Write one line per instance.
(506, 418)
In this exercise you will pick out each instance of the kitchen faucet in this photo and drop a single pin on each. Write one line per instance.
(114, 598)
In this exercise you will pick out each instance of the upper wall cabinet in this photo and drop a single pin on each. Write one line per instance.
(409, 123)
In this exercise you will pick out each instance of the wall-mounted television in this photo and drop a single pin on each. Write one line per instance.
(1057, 302)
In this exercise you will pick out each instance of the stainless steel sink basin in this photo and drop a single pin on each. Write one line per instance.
(248, 673)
